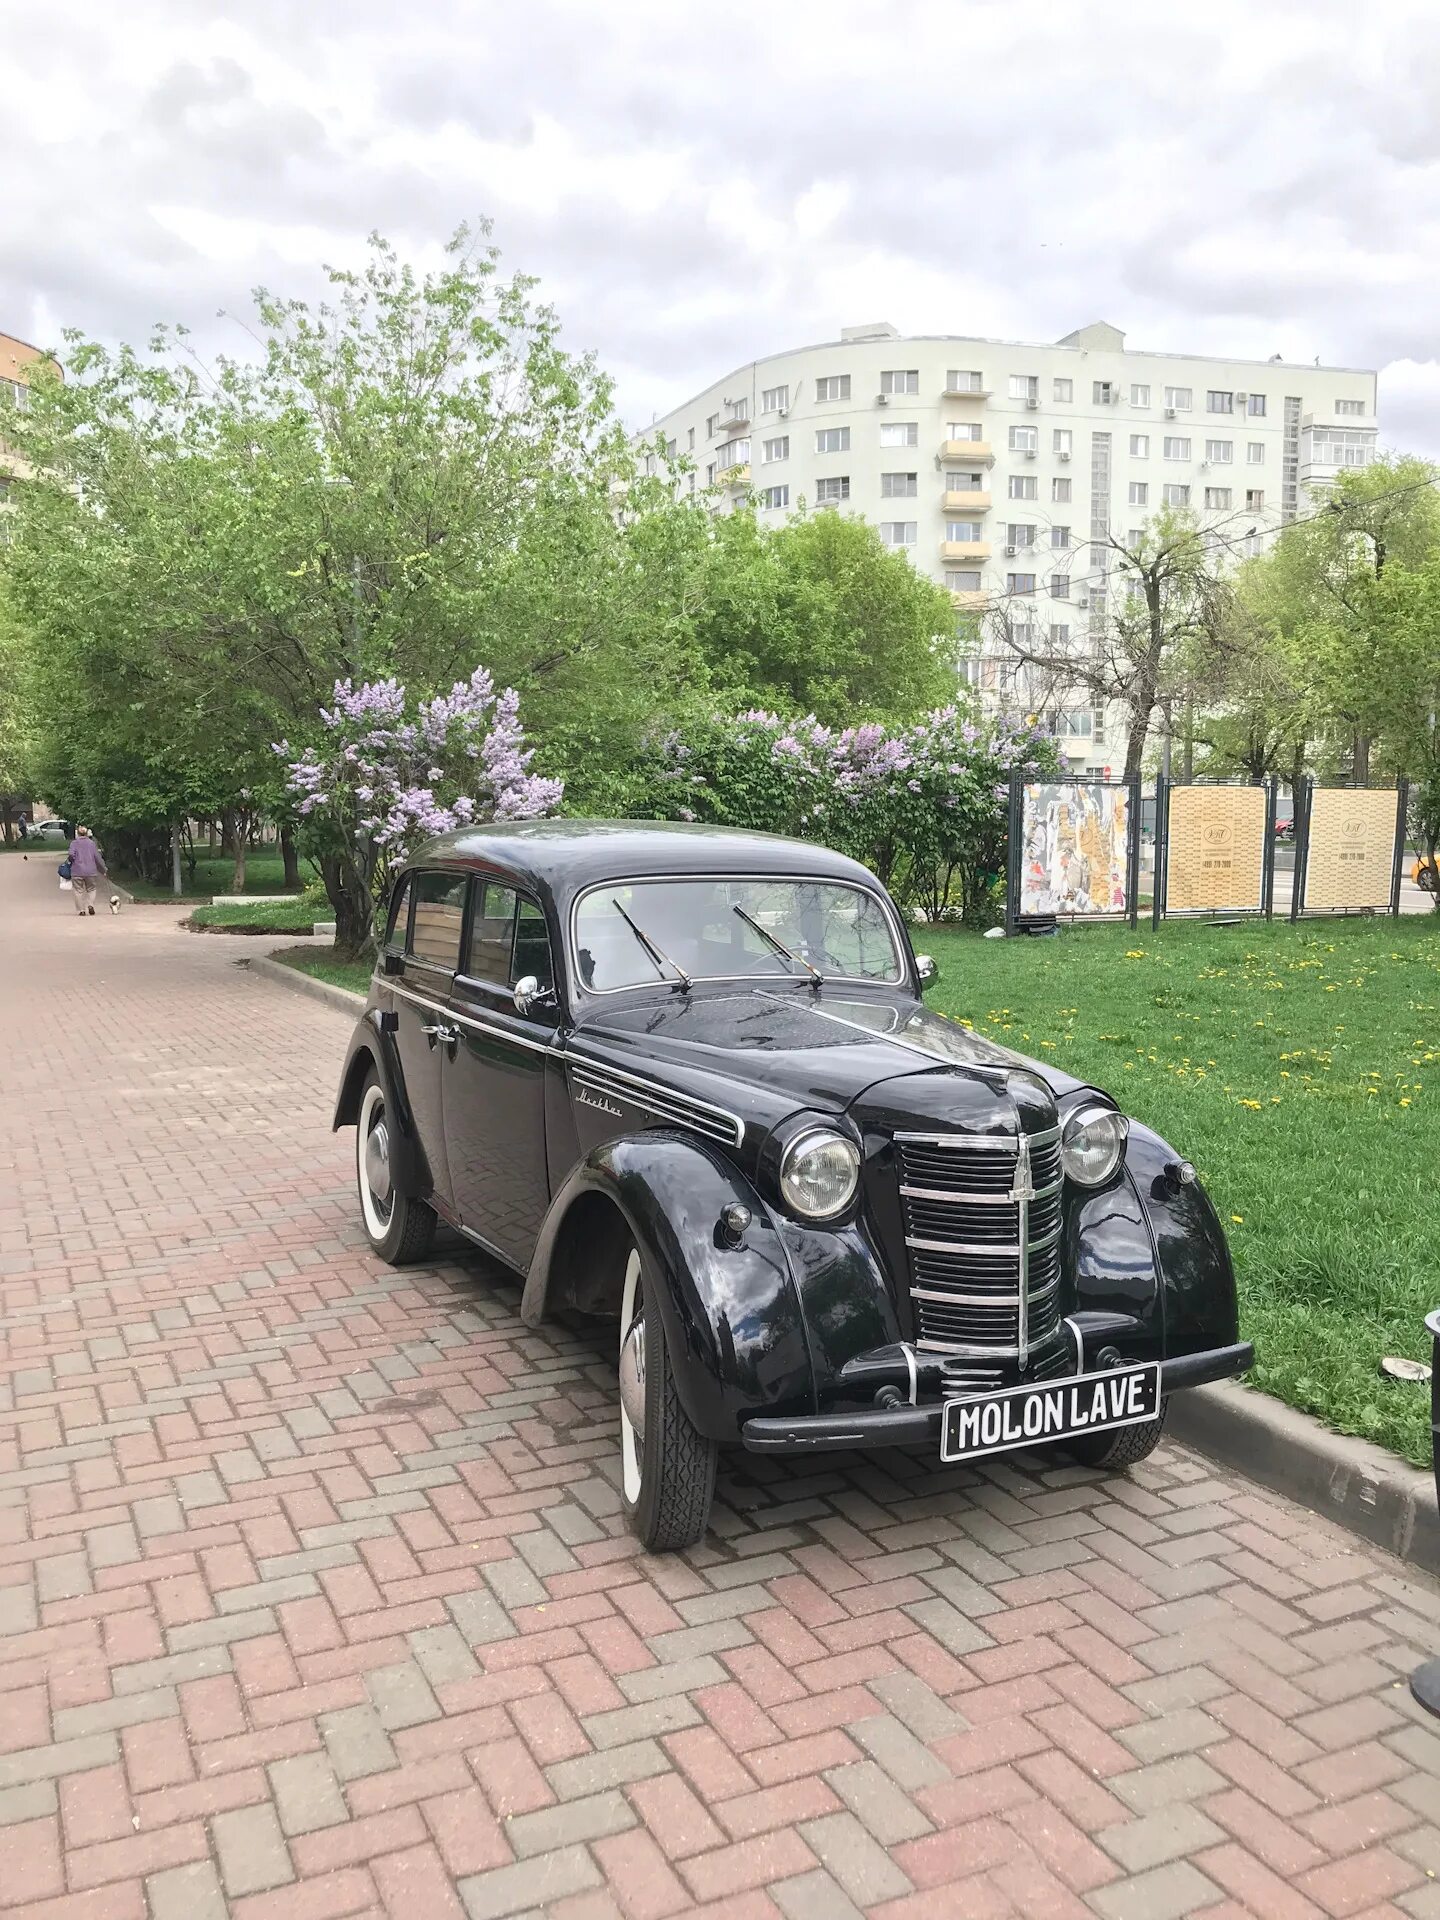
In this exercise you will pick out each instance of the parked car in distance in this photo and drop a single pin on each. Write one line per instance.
(1423, 874)
(1285, 830)
(682, 1080)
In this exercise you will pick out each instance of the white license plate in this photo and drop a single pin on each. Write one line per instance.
(988, 1423)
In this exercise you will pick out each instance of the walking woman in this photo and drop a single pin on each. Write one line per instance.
(87, 863)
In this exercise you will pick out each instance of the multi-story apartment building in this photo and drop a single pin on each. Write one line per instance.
(17, 359)
(1007, 470)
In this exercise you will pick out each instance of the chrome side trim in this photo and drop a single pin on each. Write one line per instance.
(480, 1026)
(657, 1098)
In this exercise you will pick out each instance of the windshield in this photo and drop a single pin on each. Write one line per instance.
(639, 932)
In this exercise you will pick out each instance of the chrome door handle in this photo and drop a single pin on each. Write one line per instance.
(445, 1036)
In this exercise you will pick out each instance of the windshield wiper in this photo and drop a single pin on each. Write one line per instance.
(779, 945)
(655, 953)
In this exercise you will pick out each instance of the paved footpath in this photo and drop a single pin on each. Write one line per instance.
(314, 1599)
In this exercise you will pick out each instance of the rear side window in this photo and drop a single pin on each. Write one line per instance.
(398, 925)
(438, 919)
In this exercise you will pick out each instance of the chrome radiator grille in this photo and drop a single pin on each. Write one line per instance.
(982, 1225)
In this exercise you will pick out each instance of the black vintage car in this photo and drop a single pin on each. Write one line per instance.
(682, 1078)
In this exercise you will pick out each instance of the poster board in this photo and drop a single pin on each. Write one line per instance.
(1216, 849)
(1351, 853)
(1073, 850)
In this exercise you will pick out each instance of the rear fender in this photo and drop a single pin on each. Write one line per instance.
(731, 1314)
(371, 1046)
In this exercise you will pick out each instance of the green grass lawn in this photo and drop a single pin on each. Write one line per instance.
(264, 873)
(320, 962)
(1299, 1068)
(297, 914)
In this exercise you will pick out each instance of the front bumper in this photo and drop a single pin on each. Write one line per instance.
(920, 1426)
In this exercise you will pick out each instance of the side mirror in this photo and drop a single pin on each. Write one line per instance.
(392, 962)
(529, 994)
(926, 971)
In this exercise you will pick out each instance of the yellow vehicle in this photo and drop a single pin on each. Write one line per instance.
(1423, 874)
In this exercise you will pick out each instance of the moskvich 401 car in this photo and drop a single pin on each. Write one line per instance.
(683, 1078)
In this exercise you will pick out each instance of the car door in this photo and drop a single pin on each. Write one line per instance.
(494, 1083)
(422, 992)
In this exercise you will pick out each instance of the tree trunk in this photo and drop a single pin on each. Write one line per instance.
(290, 857)
(213, 840)
(1187, 761)
(350, 901)
(175, 882)
(6, 815)
(1361, 774)
(232, 839)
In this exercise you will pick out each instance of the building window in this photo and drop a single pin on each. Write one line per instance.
(1355, 407)
(1341, 446)
(1139, 446)
(712, 421)
(832, 440)
(1060, 492)
(1139, 395)
(1178, 398)
(1135, 538)
(1220, 451)
(649, 463)
(1062, 442)
(1059, 586)
(1023, 486)
(1254, 499)
(963, 480)
(1219, 499)
(963, 532)
(691, 478)
(710, 474)
(1139, 493)
(1177, 496)
(1217, 402)
(735, 453)
(899, 486)
(671, 448)
(901, 433)
(1024, 439)
(1019, 534)
(1255, 452)
(834, 386)
(827, 492)
(1060, 536)
(964, 380)
(900, 380)
(691, 440)
(899, 533)
(954, 430)
(963, 579)
(1024, 386)
(775, 497)
(1102, 392)
(1255, 406)
(1020, 583)
(774, 399)
(1177, 447)
(1063, 389)
(776, 449)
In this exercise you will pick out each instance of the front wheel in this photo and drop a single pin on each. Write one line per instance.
(1122, 1446)
(398, 1228)
(667, 1469)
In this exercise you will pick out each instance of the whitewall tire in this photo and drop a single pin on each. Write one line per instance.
(398, 1227)
(667, 1468)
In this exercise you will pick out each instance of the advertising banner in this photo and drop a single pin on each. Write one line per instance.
(1215, 856)
(1350, 855)
(1074, 851)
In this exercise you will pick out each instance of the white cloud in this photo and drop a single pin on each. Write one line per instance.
(695, 188)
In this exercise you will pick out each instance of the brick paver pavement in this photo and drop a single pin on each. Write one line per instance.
(315, 1601)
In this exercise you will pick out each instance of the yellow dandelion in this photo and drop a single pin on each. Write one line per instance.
(1238, 1218)
(1406, 1101)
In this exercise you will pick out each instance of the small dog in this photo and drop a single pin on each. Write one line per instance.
(114, 903)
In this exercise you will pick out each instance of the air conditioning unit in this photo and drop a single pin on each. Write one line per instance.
(1062, 456)
(882, 399)
(1031, 453)
(1033, 406)
(784, 413)
(1241, 398)
(1169, 413)
(1010, 553)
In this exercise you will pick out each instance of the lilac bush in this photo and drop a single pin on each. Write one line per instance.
(389, 772)
(923, 804)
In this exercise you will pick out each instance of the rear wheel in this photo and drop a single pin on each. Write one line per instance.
(667, 1469)
(398, 1228)
(1121, 1446)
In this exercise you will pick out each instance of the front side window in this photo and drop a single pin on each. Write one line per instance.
(437, 919)
(397, 926)
(828, 492)
(900, 433)
(712, 929)
(832, 440)
(900, 380)
(508, 938)
(835, 386)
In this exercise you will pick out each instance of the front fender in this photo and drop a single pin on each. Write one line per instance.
(1191, 1253)
(732, 1317)
(372, 1045)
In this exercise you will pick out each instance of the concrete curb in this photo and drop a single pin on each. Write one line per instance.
(1356, 1484)
(340, 998)
(1353, 1483)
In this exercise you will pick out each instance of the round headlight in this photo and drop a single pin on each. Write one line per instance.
(1092, 1143)
(819, 1173)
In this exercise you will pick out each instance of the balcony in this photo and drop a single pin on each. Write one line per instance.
(732, 423)
(965, 502)
(964, 549)
(969, 599)
(736, 477)
(965, 393)
(966, 452)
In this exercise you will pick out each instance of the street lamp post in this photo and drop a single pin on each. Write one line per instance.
(1425, 1680)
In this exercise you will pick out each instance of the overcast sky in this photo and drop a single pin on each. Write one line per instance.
(698, 185)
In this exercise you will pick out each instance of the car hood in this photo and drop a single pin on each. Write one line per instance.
(823, 1049)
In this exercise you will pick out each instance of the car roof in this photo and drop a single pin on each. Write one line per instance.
(562, 857)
